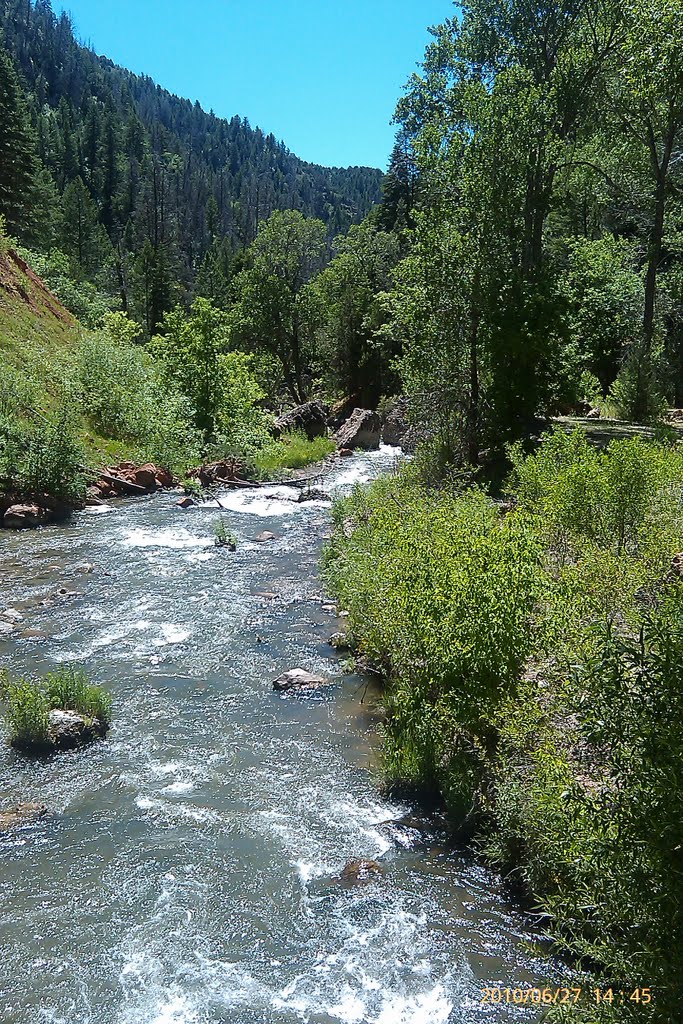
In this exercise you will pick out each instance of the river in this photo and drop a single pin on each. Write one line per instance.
(188, 869)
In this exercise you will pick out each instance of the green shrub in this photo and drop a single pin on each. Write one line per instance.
(639, 390)
(125, 395)
(28, 707)
(42, 457)
(440, 589)
(29, 702)
(533, 667)
(222, 538)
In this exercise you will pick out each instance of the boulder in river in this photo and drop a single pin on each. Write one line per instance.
(361, 871)
(314, 494)
(361, 430)
(26, 517)
(22, 814)
(310, 417)
(264, 537)
(186, 502)
(396, 425)
(299, 679)
(69, 729)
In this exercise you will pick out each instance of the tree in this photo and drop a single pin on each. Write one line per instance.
(276, 312)
(19, 165)
(82, 237)
(219, 383)
(493, 121)
(647, 97)
(355, 356)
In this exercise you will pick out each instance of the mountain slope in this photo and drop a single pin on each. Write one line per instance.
(160, 169)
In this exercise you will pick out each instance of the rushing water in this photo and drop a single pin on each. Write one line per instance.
(188, 870)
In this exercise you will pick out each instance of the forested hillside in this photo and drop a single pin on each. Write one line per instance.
(149, 183)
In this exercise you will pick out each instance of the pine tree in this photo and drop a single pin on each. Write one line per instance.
(18, 156)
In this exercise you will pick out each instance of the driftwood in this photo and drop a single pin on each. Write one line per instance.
(117, 481)
(300, 481)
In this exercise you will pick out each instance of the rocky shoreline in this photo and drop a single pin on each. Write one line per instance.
(355, 429)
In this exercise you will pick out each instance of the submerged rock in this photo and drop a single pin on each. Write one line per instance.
(361, 430)
(299, 679)
(12, 615)
(22, 814)
(264, 537)
(361, 871)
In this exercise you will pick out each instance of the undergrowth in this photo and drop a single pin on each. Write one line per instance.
(533, 653)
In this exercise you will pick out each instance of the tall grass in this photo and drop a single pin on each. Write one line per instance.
(292, 451)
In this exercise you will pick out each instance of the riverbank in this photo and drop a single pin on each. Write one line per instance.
(533, 651)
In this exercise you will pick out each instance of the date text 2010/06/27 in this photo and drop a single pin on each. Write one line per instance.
(547, 996)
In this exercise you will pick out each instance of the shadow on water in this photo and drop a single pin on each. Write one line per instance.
(188, 869)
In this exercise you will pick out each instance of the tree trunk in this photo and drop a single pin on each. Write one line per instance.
(654, 256)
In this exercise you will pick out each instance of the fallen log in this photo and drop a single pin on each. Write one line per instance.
(117, 481)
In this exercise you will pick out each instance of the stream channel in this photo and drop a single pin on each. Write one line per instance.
(188, 870)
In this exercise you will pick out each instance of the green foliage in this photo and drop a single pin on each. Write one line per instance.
(354, 355)
(533, 663)
(125, 395)
(195, 351)
(441, 589)
(42, 457)
(603, 291)
(28, 708)
(69, 688)
(276, 311)
(638, 391)
(82, 298)
(291, 451)
(222, 538)
(29, 702)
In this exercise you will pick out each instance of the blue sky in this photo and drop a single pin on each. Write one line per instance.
(322, 76)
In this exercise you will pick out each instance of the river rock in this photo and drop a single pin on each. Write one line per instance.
(361, 430)
(12, 615)
(361, 871)
(69, 729)
(22, 814)
(396, 425)
(299, 679)
(310, 417)
(26, 517)
(314, 494)
(340, 642)
(186, 502)
(264, 537)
